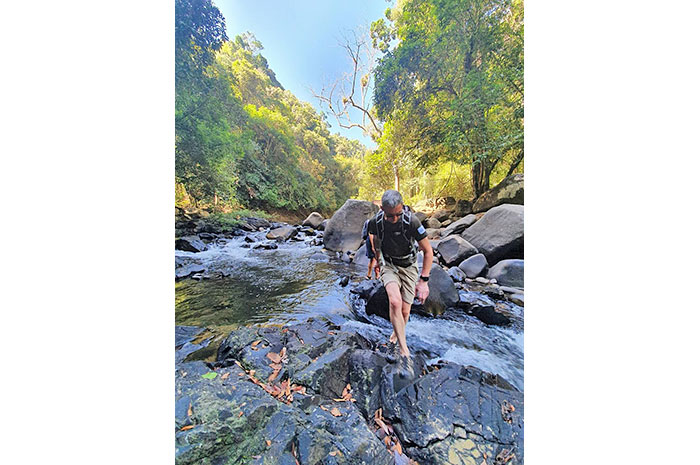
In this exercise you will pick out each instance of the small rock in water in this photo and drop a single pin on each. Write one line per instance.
(482, 280)
(344, 280)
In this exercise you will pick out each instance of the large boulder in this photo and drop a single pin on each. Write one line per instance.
(510, 190)
(459, 226)
(190, 244)
(454, 249)
(314, 220)
(508, 273)
(499, 234)
(344, 230)
(256, 223)
(474, 266)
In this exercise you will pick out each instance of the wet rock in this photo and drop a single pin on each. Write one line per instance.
(482, 280)
(344, 281)
(474, 266)
(366, 288)
(454, 250)
(365, 373)
(308, 231)
(322, 226)
(508, 272)
(269, 245)
(517, 299)
(188, 270)
(482, 308)
(314, 220)
(319, 256)
(281, 234)
(499, 234)
(344, 230)
(455, 415)
(249, 238)
(190, 244)
(509, 191)
(459, 226)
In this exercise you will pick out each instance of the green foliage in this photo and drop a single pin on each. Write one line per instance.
(232, 219)
(453, 84)
(240, 138)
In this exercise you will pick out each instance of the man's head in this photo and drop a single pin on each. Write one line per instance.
(392, 205)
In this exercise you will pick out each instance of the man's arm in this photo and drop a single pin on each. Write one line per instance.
(422, 289)
(376, 256)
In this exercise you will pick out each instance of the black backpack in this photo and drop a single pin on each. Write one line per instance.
(406, 217)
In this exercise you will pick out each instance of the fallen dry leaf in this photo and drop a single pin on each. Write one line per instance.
(283, 352)
(225, 375)
(332, 454)
(240, 414)
(274, 356)
(323, 408)
(256, 343)
(185, 428)
(189, 410)
(335, 412)
(268, 442)
(241, 374)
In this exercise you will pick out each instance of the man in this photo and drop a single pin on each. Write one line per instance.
(394, 232)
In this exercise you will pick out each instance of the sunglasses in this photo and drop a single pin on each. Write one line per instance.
(392, 216)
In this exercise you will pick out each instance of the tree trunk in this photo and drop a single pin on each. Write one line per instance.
(480, 178)
(396, 178)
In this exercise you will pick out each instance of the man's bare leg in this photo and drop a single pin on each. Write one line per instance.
(396, 315)
(406, 311)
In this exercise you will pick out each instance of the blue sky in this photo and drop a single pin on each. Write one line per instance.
(301, 40)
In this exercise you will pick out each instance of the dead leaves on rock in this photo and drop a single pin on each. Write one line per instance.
(347, 395)
(507, 410)
(284, 391)
(504, 457)
(385, 432)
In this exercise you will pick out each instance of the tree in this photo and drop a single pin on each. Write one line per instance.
(454, 82)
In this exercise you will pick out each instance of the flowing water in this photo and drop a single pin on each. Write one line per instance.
(287, 285)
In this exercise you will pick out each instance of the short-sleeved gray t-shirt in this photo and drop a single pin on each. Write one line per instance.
(394, 243)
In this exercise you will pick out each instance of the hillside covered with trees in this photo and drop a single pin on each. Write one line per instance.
(445, 83)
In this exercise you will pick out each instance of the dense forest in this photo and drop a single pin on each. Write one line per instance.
(445, 106)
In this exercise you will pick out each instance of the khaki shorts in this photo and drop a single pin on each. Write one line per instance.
(406, 278)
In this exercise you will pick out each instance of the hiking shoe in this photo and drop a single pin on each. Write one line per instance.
(405, 367)
(392, 351)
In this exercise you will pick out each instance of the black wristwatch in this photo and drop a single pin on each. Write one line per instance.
(425, 278)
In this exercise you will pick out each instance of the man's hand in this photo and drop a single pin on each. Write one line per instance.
(376, 269)
(422, 290)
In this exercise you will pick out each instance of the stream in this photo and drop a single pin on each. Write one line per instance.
(287, 285)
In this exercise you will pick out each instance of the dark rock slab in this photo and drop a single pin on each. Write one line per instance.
(456, 274)
(499, 234)
(455, 415)
(190, 244)
(188, 270)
